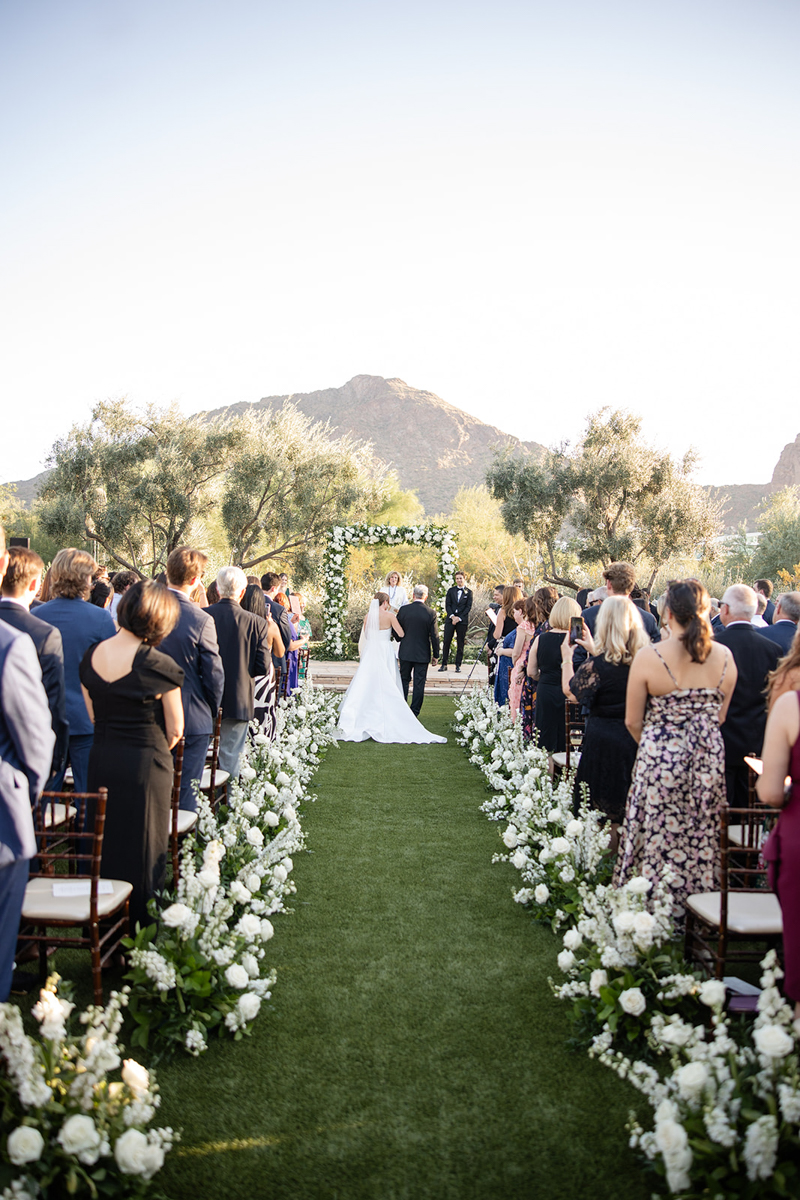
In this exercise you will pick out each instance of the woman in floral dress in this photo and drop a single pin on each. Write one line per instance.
(678, 696)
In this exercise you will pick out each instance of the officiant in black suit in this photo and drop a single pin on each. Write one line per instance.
(457, 604)
(419, 646)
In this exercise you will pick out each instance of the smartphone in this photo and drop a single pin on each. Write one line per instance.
(575, 629)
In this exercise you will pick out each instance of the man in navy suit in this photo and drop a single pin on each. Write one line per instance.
(271, 584)
(193, 646)
(26, 752)
(82, 625)
(755, 656)
(244, 648)
(784, 625)
(764, 588)
(22, 581)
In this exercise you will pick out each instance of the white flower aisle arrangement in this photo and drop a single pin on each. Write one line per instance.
(200, 969)
(334, 568)
(66, 1127)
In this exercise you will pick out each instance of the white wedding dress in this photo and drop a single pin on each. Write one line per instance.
(373, 705)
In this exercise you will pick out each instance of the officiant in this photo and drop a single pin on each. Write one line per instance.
(457, 604)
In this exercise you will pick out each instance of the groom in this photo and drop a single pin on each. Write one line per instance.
(419, 626)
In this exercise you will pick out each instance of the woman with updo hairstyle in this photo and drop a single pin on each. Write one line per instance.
(133, 696)
(677, 698)
(544, 665)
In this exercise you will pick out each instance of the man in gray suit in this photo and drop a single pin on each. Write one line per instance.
(26, 751)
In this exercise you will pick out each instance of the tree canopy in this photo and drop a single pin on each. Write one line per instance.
(610, 498)
(778, 548)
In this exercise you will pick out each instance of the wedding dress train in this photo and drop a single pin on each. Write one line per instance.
(373, 705)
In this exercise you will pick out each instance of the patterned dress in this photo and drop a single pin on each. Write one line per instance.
(677, 789)
(518, 674)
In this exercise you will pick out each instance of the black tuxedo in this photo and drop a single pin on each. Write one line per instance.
(244, 650)
(743, 731)
(50, 652)
(781, 633)
(457, 603)
(419, 643)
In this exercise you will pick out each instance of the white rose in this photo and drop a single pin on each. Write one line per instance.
(598, 979)
(80, 1136)
(632, 1002)
(254, 836)
(773, 1041)
(560, 845)
(247, 773)
(287, 864)
(239, 892)
(289, 812)
(572, 939)
(510, 836)
(541, 893)
(643, 922)
(526, 804)
(135, 1156)
(253, 882)
(279, 874)
(671, 1138)
(624, 921)
(712, 993)
(248, 1005)
(266, 929)
(554, 816)
(207, 879)
(136, 1076)
(249, 926)
(175, 915)
(566, 961)
(237, 976)
(574, 829)
(249, 809)
(638, 886)
(25, 1145)
(250, 964)
(691, 1080)
(519, 860)
(282, 779)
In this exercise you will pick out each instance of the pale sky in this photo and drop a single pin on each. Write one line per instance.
(532, 209)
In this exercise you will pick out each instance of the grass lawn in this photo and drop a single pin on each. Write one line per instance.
(412, 1048)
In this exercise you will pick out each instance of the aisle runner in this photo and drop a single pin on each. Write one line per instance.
(414, 1049)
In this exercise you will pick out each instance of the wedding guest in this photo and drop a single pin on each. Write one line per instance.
(519, 583)
(600, 684)
(121, 582)
(26, 754)
(271, 583)
(785, 677)
(394, 589)
(212, 594)
(81, 626)
(781, 757)
(296, 643)
(457, 604)
(132, 693)
(491, 640)
(519, 653)
(20, 584)
(678, 695)
(192, 645)
(620, 580)
(755, 656)
(101, 594)
(763, 587)
(245, 652)
(540, 605)
(265, 687)
(505, 654)
(544, 665)
(784, 624)
(758, 617)
(582, 597)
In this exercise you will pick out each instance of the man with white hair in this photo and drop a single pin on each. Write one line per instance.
(245, 653)
(755, 656)
(784, 624)
(419, 645)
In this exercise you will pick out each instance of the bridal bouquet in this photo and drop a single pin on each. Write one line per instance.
(67, 1128)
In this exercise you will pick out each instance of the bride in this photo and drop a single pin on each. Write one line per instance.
(374, 705)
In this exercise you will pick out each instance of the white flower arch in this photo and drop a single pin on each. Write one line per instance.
(341, 540)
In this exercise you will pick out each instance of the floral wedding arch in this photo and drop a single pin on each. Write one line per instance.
(342, 539)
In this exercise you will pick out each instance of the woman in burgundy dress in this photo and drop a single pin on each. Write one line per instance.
(781, 756)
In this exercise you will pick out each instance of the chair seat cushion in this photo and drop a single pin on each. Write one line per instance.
(560, 758)
(186, 821)
(220, 778)
(41, 905)
(754, 914)
(57, 814)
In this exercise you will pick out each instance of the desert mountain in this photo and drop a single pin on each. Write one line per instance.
(743, 498)
(434, 447)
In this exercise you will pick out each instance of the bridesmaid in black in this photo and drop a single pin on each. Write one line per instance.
(544, 665)
(132, 692)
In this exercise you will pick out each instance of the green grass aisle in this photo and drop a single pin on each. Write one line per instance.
(414, 1049)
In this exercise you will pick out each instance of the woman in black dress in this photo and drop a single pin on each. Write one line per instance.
(600, 684)
(540, 605)
(544, 665)
(132, 692)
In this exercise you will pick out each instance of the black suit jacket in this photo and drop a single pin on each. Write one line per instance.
(244, 650)
(755, 656)
(418, 623)
(590, 616)
(193, 646)
(769, 612)
(281, 617)
(455, 607)
(781, 633)
(50, 652)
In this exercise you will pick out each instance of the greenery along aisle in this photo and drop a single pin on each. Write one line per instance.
(414, 1049)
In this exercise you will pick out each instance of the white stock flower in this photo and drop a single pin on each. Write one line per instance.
(136, 1076)
(632, 1002)
(248, 1005)
(598, 979)
(237, 976)
(673, 1142)
(135, 1155)
(51, 1013)
(773, 1042)
(712, 993)
(175, 915)
(761, 1148)
(80, 1136)
(624, 921)
(25, 1145)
